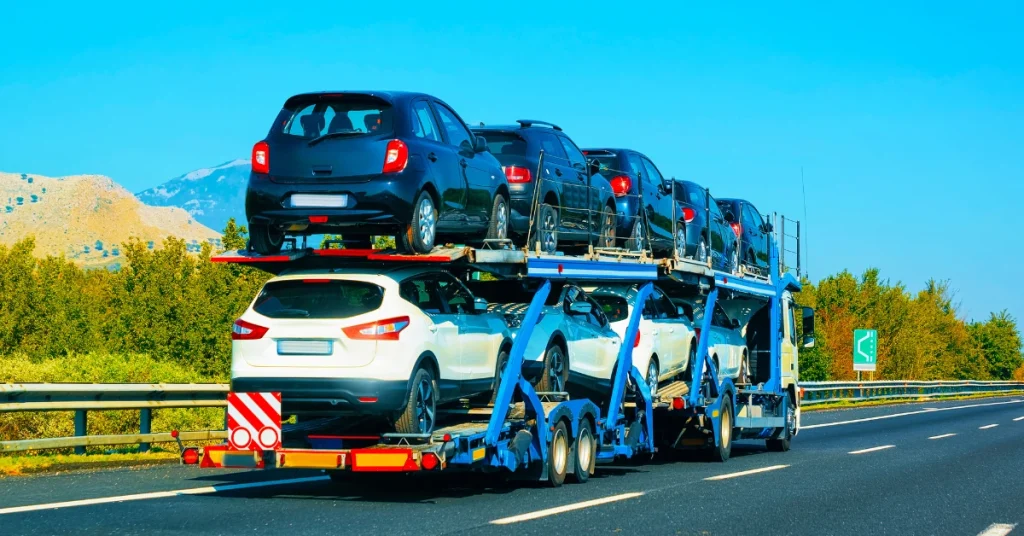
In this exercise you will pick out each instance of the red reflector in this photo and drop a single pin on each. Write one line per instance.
(396, 157)
(381, 330)
(190, 456)
(318, 219)
(636, 341)
(446, 438)
(174, 434)
(245, 331)
(518, 175)
(736, 228)
(430, 461)
(621, 185)
(367, 399)
(688, 214)
(261, 157)
(678, 403)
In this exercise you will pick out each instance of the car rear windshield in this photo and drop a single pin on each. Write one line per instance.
(318, 298)
(615, 307)
(342, 115)
(500, 143)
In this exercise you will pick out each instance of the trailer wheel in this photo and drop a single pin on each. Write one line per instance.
(558, 455)
(721, 452)
(780, 443)
(584, 459)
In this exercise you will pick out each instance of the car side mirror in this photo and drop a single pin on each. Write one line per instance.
(580, 308)
(593, 167)
(735, 323)
(479, 305)
(480, 144)
(729, 217)
(767, 227)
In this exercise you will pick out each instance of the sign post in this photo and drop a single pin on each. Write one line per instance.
(865, 350)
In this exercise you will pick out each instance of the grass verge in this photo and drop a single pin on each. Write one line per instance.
(54, 463)
(849, 404)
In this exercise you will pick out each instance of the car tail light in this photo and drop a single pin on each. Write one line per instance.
(737, 229)
(381, 330)
(517, 175)
(636, 340)
(396, 157)
(688, 214)
(318, 219)
(261, 157)
(696, 331)
(245, 331)
(621, 185)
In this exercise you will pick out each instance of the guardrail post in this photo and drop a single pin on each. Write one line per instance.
(81, 423)
(145, 426)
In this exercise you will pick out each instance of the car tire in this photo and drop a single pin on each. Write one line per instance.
(723, 450)
(735, 261)
(419, 235)
(679, 247)
(499, 373)
(546, 230)
(497, 228)
(420, 411)
(265, 240)
(556, 370)
(558, 455)
(635, 242)
(583, 450)
(701, 254)
(606, 239)
(652, 376)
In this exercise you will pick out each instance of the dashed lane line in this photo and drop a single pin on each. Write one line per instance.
(567, 508)
(872, 449)
(745, 473)
(997, 529)
(943, 436)
(987, 426)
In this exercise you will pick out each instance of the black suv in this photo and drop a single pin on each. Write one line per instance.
(575, 204)
(374, 163)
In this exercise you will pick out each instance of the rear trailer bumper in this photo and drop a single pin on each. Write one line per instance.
(381, 203)
(330, 396)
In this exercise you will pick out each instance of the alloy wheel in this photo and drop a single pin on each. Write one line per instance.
(426, 221)
(425, 406)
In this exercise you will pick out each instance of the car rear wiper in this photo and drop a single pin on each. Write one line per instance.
(292, 312)
(335, 134)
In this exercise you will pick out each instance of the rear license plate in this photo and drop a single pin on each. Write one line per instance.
(304, 347)
(318, 201)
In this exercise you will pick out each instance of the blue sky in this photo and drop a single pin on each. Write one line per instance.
(907, 120)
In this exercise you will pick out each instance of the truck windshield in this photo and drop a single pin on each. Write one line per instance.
(317, 298)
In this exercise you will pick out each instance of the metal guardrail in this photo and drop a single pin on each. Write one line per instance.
(84, 397)
(822, 392)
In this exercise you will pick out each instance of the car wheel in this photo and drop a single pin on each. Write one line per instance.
(421, 405)
(499, 373)
(735, 261)
(556, 370)
(635, 242)
(265, 240)
(692, 364)
(652, 377)
(607, 237)
(497, 229)
(419, 235)
(546, 230)
(680, 242)
(583, 450)
(558, 455)
(702, 251)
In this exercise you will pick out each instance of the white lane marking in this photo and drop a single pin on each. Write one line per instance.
(1018, 419)
(941, 436)
(872, 449)
(905, 414)
(161, 494)
(987, 426)
(997, 529)
(745, 473)
(567, 508)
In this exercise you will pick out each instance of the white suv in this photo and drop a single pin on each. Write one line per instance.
(665, 345)
(393, 343)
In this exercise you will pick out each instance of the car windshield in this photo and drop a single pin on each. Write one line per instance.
(615, 307)
(317, 298)
(344, 115)
(511, 291)
(499, 143)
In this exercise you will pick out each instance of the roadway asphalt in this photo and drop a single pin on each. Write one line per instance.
(914, 478)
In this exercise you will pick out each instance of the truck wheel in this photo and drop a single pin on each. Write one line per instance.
(558, 455)
(780, 443)
(556, 370)
(421, 405)
(583, 450)
(418, 236)
(721, 452)
(265, 240)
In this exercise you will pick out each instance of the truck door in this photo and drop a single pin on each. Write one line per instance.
(788, 343)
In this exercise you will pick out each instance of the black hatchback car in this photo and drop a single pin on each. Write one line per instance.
(750, 228)
(575, 204)
(698, 205)
(636, 182)
(374, 163)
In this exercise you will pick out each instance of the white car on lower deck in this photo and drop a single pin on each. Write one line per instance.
(666, 344)
(726, 343)
(394, 343)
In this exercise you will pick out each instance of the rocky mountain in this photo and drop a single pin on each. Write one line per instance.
(210, 195)
(87, 217)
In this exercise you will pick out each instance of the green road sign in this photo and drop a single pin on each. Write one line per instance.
(865, 349)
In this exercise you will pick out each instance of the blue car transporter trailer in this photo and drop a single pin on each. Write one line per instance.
(546, 436)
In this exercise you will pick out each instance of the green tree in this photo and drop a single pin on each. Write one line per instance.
(234, 236)
(998, 342)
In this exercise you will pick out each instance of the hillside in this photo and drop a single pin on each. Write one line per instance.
(210, 195)
(86, 217)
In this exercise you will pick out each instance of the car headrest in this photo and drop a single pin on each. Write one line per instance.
(312, 124)
(339, 123)
(372, 122)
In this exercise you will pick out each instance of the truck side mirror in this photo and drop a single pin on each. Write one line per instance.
(808, 326)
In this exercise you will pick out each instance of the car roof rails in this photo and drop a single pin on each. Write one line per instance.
(531, 122)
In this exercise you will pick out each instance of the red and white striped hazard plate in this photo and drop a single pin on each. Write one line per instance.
(254, 421)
